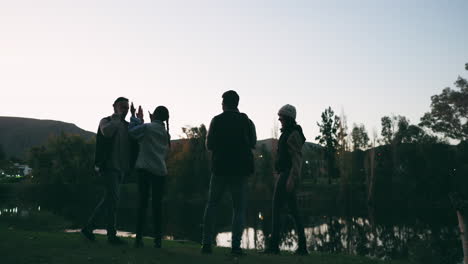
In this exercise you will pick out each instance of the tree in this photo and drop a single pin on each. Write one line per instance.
(262, 182)
(390, 127)
(359, 137)
(387, 129)
(188, 164)
(415, 134)
(329, 139)
(342, 134)
(449, 116)
(449, 111)
(195, 132)
(397, 130)
(63, 159)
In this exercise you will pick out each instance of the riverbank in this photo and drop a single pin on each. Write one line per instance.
(22, 246)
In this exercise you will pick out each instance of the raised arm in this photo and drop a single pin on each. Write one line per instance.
(109, 127)
(136, 129)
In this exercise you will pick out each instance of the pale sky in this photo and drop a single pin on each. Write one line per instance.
(68, 60)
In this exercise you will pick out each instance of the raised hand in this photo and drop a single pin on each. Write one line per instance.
(132, 110)
(140, 113)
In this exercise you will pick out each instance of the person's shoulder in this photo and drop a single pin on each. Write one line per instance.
(218, 117)
(295, 141)
(296, 137)
(244, 115)
(222, 114)
(295, 134)
(156, 125)
(105, 119)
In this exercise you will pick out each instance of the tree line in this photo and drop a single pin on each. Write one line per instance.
(408, 160)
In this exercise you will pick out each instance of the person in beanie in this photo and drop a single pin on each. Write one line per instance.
(288, 166)
(154, 143)
(115, 156)
(231, 138)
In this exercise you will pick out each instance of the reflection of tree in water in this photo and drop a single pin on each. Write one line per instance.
(421, 243)
(328, 237)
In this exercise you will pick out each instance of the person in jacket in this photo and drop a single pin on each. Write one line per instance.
(154, 142)
(288, 166)
(231, 138)
(114, 159)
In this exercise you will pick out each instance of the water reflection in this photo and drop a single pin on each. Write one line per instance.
(103, 232)
(18, 211)
(120, 233)
(251, 239)
(13, 211)
(357, 236)
(350, 235)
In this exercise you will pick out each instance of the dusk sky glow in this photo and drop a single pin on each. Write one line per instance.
(69, 60)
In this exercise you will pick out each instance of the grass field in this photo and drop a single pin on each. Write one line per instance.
(39, 238)
(56, 247)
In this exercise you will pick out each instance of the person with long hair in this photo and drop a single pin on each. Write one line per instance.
(154, 143)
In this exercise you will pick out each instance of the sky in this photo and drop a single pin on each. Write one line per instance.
(69, 60)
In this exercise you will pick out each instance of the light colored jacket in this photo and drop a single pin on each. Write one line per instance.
(117, 129)
(295, 143)
(153, 142)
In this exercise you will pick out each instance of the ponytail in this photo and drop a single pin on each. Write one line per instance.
(161, 113)
(168, 135)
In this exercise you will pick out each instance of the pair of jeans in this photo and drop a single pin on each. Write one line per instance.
(147, 180)
(238, 189)
(109, 202)
(281, 199)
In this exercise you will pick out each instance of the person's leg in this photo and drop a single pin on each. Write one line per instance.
(215, 193)
(294, 210)
(277, 207)
(143, 195)
(238, 188)
(158, 183)
(91, 224)
(87, 230)
(113, 179)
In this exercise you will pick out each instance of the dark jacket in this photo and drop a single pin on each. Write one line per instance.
(231, 138)
(289, 152)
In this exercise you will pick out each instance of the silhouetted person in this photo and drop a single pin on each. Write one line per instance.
(154, 142)
(114, 159)
(288, 166)
(231, 138)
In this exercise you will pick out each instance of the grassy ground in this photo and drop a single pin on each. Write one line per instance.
(40, 239)
(21, 246)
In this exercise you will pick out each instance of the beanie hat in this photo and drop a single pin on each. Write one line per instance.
(288, 110)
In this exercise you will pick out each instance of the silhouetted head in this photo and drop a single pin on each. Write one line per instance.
(230, 100)
(121, 106)
(161, 113)
(287, 116)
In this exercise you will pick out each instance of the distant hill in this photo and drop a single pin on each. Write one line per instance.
(271, 144)
(18, 135)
